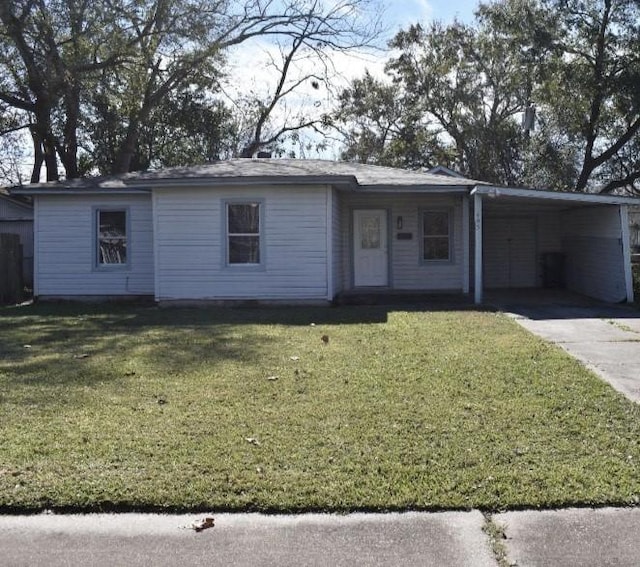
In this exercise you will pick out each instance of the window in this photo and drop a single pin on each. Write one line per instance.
(243, 233)
(111, 237)
(436, 236)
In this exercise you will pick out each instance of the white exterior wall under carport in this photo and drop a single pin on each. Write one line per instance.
(594, 246)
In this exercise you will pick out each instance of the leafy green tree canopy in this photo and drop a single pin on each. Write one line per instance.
(534, 92)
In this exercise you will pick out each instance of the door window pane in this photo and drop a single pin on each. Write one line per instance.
(370, 232)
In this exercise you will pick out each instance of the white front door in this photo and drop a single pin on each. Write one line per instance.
(370, 254)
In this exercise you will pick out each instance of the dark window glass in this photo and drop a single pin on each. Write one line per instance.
(244, 218)
(244, 250)
(243, 233)
(435, 235)
(112, 237)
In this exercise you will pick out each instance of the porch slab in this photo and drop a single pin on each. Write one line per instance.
(401, 297)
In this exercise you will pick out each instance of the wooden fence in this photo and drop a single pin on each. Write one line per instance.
(11, 284)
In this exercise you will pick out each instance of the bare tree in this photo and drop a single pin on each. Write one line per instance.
(56, 56)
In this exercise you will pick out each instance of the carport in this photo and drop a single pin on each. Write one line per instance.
(526, 238)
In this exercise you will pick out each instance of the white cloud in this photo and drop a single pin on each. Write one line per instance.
(402, 14)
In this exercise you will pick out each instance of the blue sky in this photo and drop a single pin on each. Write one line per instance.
(404, 12)
(249, 73)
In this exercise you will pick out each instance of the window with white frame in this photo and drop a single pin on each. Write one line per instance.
(243, 233)
(436, 235)
(111, 237)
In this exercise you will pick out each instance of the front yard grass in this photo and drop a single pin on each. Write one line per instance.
(140, 408)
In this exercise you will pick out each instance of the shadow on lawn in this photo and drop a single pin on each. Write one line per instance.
(143, 315)
(49, 345)
(107, 349)
(54, 344)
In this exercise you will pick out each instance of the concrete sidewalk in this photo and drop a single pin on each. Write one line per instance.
(448, 538)
(577, 537)
(606, 537)
(606, 338)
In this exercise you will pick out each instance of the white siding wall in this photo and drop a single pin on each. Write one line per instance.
(515, 239)
(65, 247)
(338, 245)
(549, 231)
(593, 248)
(190, 246)
(407, 271)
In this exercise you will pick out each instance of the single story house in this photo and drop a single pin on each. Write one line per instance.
(310, 230)
(16, 217)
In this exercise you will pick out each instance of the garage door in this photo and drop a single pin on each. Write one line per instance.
(509, 258)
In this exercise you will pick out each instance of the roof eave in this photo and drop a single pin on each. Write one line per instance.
(337, 180)
(497, 191)
(17, 202)
(76, 191)
(414, 188)
(126, 186)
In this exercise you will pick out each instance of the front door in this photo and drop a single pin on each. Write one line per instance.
(370, 254)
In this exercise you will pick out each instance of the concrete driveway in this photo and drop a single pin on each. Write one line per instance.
(606, 338)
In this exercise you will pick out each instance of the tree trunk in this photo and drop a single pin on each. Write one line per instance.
(68, 152)
(38, 154)
(126, 151)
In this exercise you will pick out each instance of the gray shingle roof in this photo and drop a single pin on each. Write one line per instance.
(256, 171)
(364, 174)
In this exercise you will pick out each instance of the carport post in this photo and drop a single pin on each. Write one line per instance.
(626, 251)
(477, 217)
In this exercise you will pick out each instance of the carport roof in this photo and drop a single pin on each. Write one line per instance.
(560, 197)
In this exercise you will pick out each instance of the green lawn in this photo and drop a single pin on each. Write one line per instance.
(116, 407)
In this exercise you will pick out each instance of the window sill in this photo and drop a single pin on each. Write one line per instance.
(245, 267)
(437, 263)
(107, 268)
